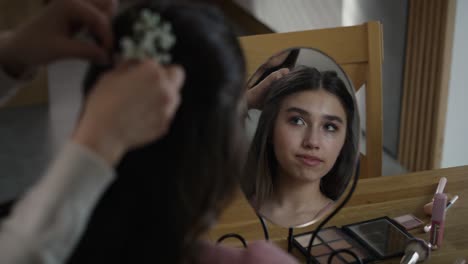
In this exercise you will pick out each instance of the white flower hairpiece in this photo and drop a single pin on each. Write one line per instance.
(151, 38)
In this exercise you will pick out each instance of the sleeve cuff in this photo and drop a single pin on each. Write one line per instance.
(47, 223)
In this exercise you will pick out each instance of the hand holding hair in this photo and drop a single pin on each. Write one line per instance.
(256, 94)
(51, 35)
(129, 106)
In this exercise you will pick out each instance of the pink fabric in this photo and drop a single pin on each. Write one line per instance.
(256, 252)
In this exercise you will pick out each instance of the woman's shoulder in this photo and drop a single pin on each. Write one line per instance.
(256, 252)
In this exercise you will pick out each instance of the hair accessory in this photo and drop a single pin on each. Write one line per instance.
(151, 38)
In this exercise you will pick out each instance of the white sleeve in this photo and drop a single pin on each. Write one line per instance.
(46, 224)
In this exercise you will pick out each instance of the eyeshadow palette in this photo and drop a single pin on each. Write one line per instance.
(383, 236)
(329, 240)
(409, 221)
(370, 240)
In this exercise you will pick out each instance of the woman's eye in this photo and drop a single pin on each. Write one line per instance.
(297, 121)
(331, 127)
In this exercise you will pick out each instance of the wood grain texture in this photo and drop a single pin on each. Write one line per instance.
(438, 126)
(358, 50)
(425, 85)
(375, 197)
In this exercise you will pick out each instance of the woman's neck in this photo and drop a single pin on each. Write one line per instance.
(295, 202)
(298, 195)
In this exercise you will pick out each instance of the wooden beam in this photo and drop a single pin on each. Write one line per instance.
(425, 87)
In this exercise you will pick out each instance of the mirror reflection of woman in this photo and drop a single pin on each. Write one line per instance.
(304, 151)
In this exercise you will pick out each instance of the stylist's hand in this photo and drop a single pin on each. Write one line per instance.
(51, 35)
(128, 107)
(256, 95)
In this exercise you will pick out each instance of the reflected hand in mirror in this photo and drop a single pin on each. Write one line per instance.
(304, 149)
(274, 68)
(256, 94)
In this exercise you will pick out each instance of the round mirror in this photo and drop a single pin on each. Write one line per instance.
(304, 138)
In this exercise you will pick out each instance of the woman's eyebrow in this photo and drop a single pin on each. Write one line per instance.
(298, 110)
(305, 113)
(333, 118)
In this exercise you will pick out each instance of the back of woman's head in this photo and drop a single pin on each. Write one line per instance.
(170, 191)
(261, 166)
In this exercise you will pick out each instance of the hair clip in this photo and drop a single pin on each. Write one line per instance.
(152, 38)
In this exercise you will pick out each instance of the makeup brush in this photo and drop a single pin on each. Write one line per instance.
(417, 250)
(441, 186)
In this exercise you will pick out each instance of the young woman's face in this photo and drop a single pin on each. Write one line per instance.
(309, 132)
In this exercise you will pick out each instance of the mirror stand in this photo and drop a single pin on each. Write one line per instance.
(315, 232)
(234, 235)
(325, 221)
(264, 227)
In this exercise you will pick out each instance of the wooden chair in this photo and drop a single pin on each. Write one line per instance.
(358, 50)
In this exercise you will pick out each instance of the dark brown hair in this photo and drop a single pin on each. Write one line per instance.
(169, 192)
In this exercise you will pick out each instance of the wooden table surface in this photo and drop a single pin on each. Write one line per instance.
(375, 197)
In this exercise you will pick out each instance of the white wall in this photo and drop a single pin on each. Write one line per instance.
(285, 16)
(392, 14)
(455, 148)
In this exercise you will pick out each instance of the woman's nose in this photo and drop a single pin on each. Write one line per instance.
(311, 139)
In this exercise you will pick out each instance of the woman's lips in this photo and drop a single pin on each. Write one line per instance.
(310, 160)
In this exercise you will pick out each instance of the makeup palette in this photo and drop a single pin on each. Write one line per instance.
(370, 240)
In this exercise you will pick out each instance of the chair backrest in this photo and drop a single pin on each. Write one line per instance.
(358, 50)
